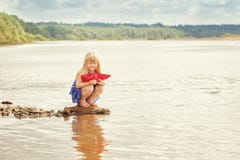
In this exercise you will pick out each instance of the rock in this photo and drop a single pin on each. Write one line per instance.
(6, 102)
(31, 112)
(81, 110)
(43, 114)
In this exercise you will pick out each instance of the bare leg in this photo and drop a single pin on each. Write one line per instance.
(97, 91)
(86, 92)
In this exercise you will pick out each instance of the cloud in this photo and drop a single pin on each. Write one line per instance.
(135, 11)
(8, 6)
(36, 5)
(215, 2)
(73, 3)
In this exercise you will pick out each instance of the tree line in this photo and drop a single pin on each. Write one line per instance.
(102, 31)
(205, 31)
(12, 30)
(15, 30)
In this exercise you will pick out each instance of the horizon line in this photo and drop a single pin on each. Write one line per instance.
(133, 23)
(114, 23)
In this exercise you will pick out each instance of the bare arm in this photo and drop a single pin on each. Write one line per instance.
(101, 83)
(80, 84)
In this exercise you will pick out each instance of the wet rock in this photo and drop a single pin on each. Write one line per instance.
(31, 112)
(6, 102)
(91, 110)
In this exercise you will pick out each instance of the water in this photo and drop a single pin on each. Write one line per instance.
(168, 100)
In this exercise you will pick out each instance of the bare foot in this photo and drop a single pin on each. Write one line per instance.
(84, 104)
(92, 103)
(67, 110)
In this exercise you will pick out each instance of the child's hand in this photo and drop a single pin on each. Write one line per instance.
(100, 82)
(93, 82)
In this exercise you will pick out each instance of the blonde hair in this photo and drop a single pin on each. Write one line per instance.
(90, 57)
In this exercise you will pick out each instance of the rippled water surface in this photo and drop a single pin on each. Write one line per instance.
(168, 100)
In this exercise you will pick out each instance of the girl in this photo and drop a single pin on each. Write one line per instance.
(87, 93)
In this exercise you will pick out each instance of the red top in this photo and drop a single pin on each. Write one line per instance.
(94, 76)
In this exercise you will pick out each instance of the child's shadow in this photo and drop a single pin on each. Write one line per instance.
(88, 135)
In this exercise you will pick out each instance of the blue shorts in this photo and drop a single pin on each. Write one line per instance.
(76, 93)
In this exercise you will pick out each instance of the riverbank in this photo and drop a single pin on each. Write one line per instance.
(178, 39)
(210, 39)
(14, 30)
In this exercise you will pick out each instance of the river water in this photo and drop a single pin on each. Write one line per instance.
(168, 100)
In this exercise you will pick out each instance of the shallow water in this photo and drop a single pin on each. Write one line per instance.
(168, 100)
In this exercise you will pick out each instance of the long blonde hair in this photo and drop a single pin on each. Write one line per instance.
(90, 56)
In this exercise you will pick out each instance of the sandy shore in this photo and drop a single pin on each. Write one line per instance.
(174, 39)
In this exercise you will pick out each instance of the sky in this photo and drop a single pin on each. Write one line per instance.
(167, 12)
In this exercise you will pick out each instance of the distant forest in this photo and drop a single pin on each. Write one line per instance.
(14, 30)
(208, 31)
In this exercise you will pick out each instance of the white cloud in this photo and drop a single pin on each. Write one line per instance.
(136, 11)
(214, 2)
(8, 6)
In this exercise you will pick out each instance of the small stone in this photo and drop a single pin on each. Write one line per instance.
(44, 114)
(6, 102)
(5, 114)
(36, 115)
(24, 116)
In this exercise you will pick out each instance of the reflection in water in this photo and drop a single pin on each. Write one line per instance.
(88, 134)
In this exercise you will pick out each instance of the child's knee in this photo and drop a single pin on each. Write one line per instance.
(99, 88)
(87, 89)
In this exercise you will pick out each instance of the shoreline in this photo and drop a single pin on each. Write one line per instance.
(176, 39)
(212, 39)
